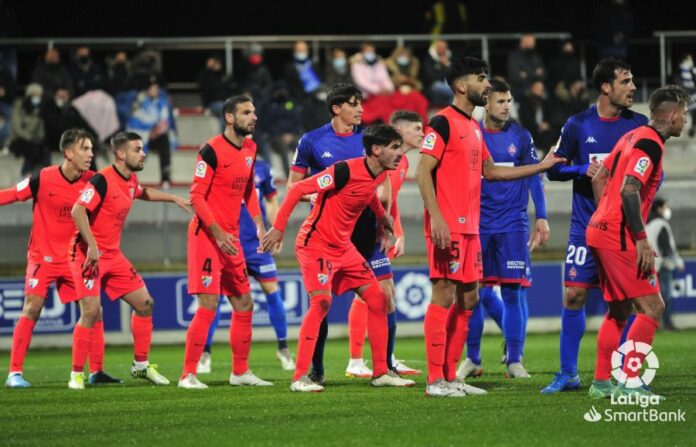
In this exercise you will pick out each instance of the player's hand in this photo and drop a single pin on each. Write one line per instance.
(90, 266)
(592, 169)
(439, 232)
(311, 198)
(271, 240)
(541, 234)
(184, 204)
(399, 247)
(224, 240)
(260, 232)
(551, 160)
(646, 258)
(278, 248)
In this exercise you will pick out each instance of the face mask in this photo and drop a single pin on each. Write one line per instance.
(403, 60)
(60, 103)
(321, 96)
(370, 57)
(300, 56)
(667, 213)
(83, 59)
(339, 64)
(35, 100)
(255, 59)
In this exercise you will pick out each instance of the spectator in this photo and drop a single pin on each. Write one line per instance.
(300, 75)
(146, 65)
(571, 98)
(86, 74)
(215, 88)
(58, 116)
(525, 66)
(119, 78)
(686, 77)
(51, 74)
(28, 132)
(254, 76)
(667, 259)
(535, 115)
(434, 74)
(403, 68)
(336, 72)
(565, 67)
(7, 96)
(371, 76)
(280, 124)
(150, 118)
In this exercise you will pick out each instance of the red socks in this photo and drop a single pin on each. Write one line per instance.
(434, 327)
(21, 338)
(309, 331)
(608, 339)
(357, 326)
(142, 337)
(457, 331)
(96, 348)
(377, 330)
(642, 330)
(81, 340)
(196, 336)
(240, 341)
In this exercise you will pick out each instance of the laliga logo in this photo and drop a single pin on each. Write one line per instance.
(635, 354)
(592, 415)
(413, 293)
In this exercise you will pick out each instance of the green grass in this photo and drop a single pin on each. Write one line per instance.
(349, 412)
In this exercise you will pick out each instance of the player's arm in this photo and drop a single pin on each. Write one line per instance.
(599, 182)
(566, 147)
(89, 199)
(24, 190)
(542, 231)
(300, 166)
(439, 231)
(272, 207)
(630, 202)
(252, 202)
(155, 195)
(399, 243)
(384, 191)
(493, 172)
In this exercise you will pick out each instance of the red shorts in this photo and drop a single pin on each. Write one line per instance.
(115, 274)
(619, 278)
(339, 271)
(40, 275)
(210, 271)
(461, 262)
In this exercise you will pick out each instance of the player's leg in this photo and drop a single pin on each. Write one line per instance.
(82, 337)
(240, 338)
(21, 339)
(205, 363)
(319, 305)
(276, 313)
(393, 363)
(607, 342)
(97, 375)
(525, 318)
(493, 303)
(471, 366)
(513, 324)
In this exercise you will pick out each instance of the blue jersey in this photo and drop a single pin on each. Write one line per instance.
(320, 148)
(263, 180)
(504, 204)
(586, 137)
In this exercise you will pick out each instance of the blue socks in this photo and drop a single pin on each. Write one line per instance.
(473, 340)
(276, 313)
(391, 340)
(624, 334)
(572, 330)
(525, 315)
(512, 321)
(493, 304)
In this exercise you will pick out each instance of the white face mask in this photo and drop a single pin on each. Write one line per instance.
(667, 213)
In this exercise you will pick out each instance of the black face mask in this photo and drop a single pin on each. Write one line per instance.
(83, 60)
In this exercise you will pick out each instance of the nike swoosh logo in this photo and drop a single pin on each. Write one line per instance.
(51, 194)
(116, 196)
(461, 137)
(436, 344)
(227, 165)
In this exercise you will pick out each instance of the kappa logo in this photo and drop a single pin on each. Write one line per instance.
(591, 140)
(325, 181)
(206, 280)
(429, 141)
(454, 266)
(89, 283)
(249, 161)
(323, 278)
(512, 150)
(33, 282)
(201, 169)
(642, 165)
(327, 154)
(87, 195)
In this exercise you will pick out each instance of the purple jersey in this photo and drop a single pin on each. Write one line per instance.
(587, 137)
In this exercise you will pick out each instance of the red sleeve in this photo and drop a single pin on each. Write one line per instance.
(376, 206)
(433, 143)
(19, 193)
(645, 158)
(92, 194)
(251, 198)
(138, 189)
(202, 180)
(320, 183)
(398, 229)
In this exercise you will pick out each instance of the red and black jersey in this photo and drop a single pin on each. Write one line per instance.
(53, 225)
(108, 197)
(224, 177)
(343, 191)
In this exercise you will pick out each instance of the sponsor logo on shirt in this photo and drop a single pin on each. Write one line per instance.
(325, 181)
(429, 141)
(323, 278)
(512, 150)
(591, 140)
(201, 168)
(454, 266)
(599, 225)
(598, 158)
(327, 154)
(23, 184)
(642, 165)
(267, 268)
(206, 280)
(87, 195)
(516, 265)
(377, 263)
(33, 282)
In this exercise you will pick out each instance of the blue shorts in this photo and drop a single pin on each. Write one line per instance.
(379, 263)
(580, 268)
(505, 257)
(261, 266)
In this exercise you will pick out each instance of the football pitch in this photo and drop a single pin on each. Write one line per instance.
(349, 412)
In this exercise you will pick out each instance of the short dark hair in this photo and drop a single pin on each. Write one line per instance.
(605, 71)
(72, 136)
(379, 134)
(499, 86)
(668, 93)
(123, 138)
(230, 105)
(341, 93)
(658, 202)
(405, 115)
(463, 67)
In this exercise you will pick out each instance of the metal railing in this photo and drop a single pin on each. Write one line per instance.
(665, 38)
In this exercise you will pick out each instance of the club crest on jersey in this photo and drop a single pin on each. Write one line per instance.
(201, 168)
(402, 174)
(249, 161)
(132, 192)
(652, 280)
(325, 181)
(572, 273)
(454, 266)
(642, 165)
(323, 278)
(429, 141)
(33, 282)
(87, 195)
(206, 280)
(89, 283)
(478, 134)
(512, 150)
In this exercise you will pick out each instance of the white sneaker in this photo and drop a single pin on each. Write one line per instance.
(517, 371)
(204, 364)
(305, 385)
(149, 373)
(358, 368)
(248, 379)
(391, 379)
(191, 382)
(77, 381)
(404, 369)
(466, 388)
(286, 361)
(469, 369)
(441, 388)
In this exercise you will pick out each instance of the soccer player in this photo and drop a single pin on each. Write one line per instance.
(329, 261)
(54, 191)
(224, 176)
(453, 158)
(96, 260)
(261, 266)
(338, 140)
(586, 139)
(625, 186)
(504, 228)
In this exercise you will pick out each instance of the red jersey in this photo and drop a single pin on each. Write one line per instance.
(107, 197)
(639, 154)
(397, 179)
(454, 138)
(224, 177)
(53, 225)
(343, 191)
